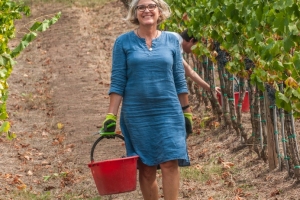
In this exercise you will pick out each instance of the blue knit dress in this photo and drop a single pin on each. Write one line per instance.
(149, 80)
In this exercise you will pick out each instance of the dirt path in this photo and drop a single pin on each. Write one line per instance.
(62, 79)
(58, 99)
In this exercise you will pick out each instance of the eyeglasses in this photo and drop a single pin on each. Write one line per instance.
(150, 7)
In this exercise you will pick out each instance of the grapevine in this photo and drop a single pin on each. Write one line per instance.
(266, 32)
(11, 11)
(258, 42)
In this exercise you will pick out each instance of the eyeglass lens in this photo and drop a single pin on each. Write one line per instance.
(143, 7)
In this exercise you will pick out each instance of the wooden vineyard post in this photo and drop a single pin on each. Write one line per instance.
(289, 147)
(232, 109)
(271, 135)
(198, 70)
(189, 80)
(283, 136)
(263, 125)
(256, 126)
(205, 77)
(293, 145)
(212, 93)
(242, 92)
(222, 59)
(296, 149)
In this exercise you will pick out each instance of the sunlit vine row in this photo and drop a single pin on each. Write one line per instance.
(10, 11)
(264, 31)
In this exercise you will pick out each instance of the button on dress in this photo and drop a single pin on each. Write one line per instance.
(149, 80)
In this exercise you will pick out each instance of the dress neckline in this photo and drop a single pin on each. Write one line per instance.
(155, 39)
(143, 40)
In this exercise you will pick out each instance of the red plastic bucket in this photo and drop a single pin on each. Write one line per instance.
(116, 175)
(245, 104)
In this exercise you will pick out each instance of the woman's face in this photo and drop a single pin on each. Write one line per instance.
(147, 12)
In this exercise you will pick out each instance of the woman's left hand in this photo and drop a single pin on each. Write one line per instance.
(188, 117)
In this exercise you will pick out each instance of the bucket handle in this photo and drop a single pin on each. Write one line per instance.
(108, 136)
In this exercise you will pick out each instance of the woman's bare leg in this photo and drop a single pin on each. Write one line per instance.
(170, 179)
(148, 183)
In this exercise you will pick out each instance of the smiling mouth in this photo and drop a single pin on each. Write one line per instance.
(148, 16)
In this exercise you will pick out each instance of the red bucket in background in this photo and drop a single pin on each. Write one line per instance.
(115, 176)
(245, 104)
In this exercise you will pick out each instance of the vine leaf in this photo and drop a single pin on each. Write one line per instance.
(291, 82)
(29, 37)
(5, 127)
(296, 93)
(282, 101)
(288, 44)
(296, 60)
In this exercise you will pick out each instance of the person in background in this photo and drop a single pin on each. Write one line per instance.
(186, 43)
(148, 78)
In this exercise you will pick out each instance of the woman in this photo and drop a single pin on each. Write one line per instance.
(148, 78)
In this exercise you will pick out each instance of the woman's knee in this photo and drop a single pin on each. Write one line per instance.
(169, 165)
(147, 172)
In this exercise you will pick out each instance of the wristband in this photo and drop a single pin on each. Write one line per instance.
(111, 116)
(185, 107)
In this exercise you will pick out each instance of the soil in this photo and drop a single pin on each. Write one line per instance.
(58, 100)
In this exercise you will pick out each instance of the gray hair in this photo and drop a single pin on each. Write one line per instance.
(163, 7)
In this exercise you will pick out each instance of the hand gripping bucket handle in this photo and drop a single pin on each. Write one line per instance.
(101, 138)
(116, 175)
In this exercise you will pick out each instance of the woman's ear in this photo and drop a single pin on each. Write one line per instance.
(159, 19)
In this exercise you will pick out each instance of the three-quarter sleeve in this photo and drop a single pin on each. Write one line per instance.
(118, 74)
(178, 71)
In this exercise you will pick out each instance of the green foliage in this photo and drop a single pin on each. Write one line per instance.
(27, 195)
(267, 32)
(54, 175)
(9, 12)
(47, 195)
(201, 173)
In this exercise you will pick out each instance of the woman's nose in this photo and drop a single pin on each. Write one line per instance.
(147, 10)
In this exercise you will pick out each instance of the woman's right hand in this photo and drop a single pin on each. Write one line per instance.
(109, 124)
